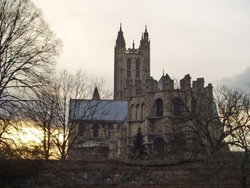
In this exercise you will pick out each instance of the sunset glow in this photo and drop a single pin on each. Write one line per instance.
(25, 133)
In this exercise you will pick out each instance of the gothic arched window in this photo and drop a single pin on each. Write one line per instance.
(128, 68)
(133, 112)
(178, 106)
(137, 112)
(159, 107)
(137, 68)
(95, 130)
(142, 111)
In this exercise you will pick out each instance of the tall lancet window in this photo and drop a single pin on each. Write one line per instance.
(137, 68)
(128, 68)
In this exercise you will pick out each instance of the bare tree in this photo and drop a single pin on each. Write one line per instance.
(241, 155)
(209, 123)
(240, 138)
(27, 51)
(194, 124)
(42, 112)
(9, 125)
(27, 46)
(75, 87)
(51, 110)
(68, 86)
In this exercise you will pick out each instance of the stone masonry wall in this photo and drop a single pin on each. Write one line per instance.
(114, 174)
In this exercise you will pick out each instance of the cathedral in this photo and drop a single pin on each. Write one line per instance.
(160, 109)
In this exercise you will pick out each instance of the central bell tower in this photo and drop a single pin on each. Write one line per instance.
(131, 67)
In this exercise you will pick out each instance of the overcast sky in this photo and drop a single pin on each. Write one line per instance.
(203, 38)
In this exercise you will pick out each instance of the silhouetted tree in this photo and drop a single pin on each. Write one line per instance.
(27, 51)
(139, 151)
(51, 111)
(42, 112)
(240, 138)
(217, 125)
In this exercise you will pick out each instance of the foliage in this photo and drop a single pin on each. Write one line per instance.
(139, 151)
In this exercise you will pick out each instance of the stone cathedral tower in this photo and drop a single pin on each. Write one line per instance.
(131, 67)
(162, 112)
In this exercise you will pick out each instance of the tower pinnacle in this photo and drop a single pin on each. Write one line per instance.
(120, 41)
(120, 26)
(146, 34)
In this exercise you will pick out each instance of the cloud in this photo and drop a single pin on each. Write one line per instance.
(207, 39)
(241, 80)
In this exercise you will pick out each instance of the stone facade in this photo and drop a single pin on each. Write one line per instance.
(156, 107)
(131, 66)
(161, 109)
(92, 123)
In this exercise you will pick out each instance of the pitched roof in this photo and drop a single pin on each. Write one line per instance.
(98, 110)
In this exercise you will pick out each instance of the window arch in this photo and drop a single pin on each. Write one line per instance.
(95, 130)
(129, 68)
(137, 68)
(178, 106)
(142, 111)
(137, 112)
(132, 112)
(159, 107)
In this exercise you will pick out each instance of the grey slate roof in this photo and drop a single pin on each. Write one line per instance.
(98, 110)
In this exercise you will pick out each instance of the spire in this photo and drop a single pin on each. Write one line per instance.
(133, 44)
(120, 41)
(144, 42)
(146, 31)
(121, 27)
(96, 95)
(141, 41)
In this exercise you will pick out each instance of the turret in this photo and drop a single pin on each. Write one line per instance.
(185, 83)
(131, 67)
(119, 66)
(146, 34)
(198, 85)
(144, 49)
(120, 41)
(165, 83)
(144, 42)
